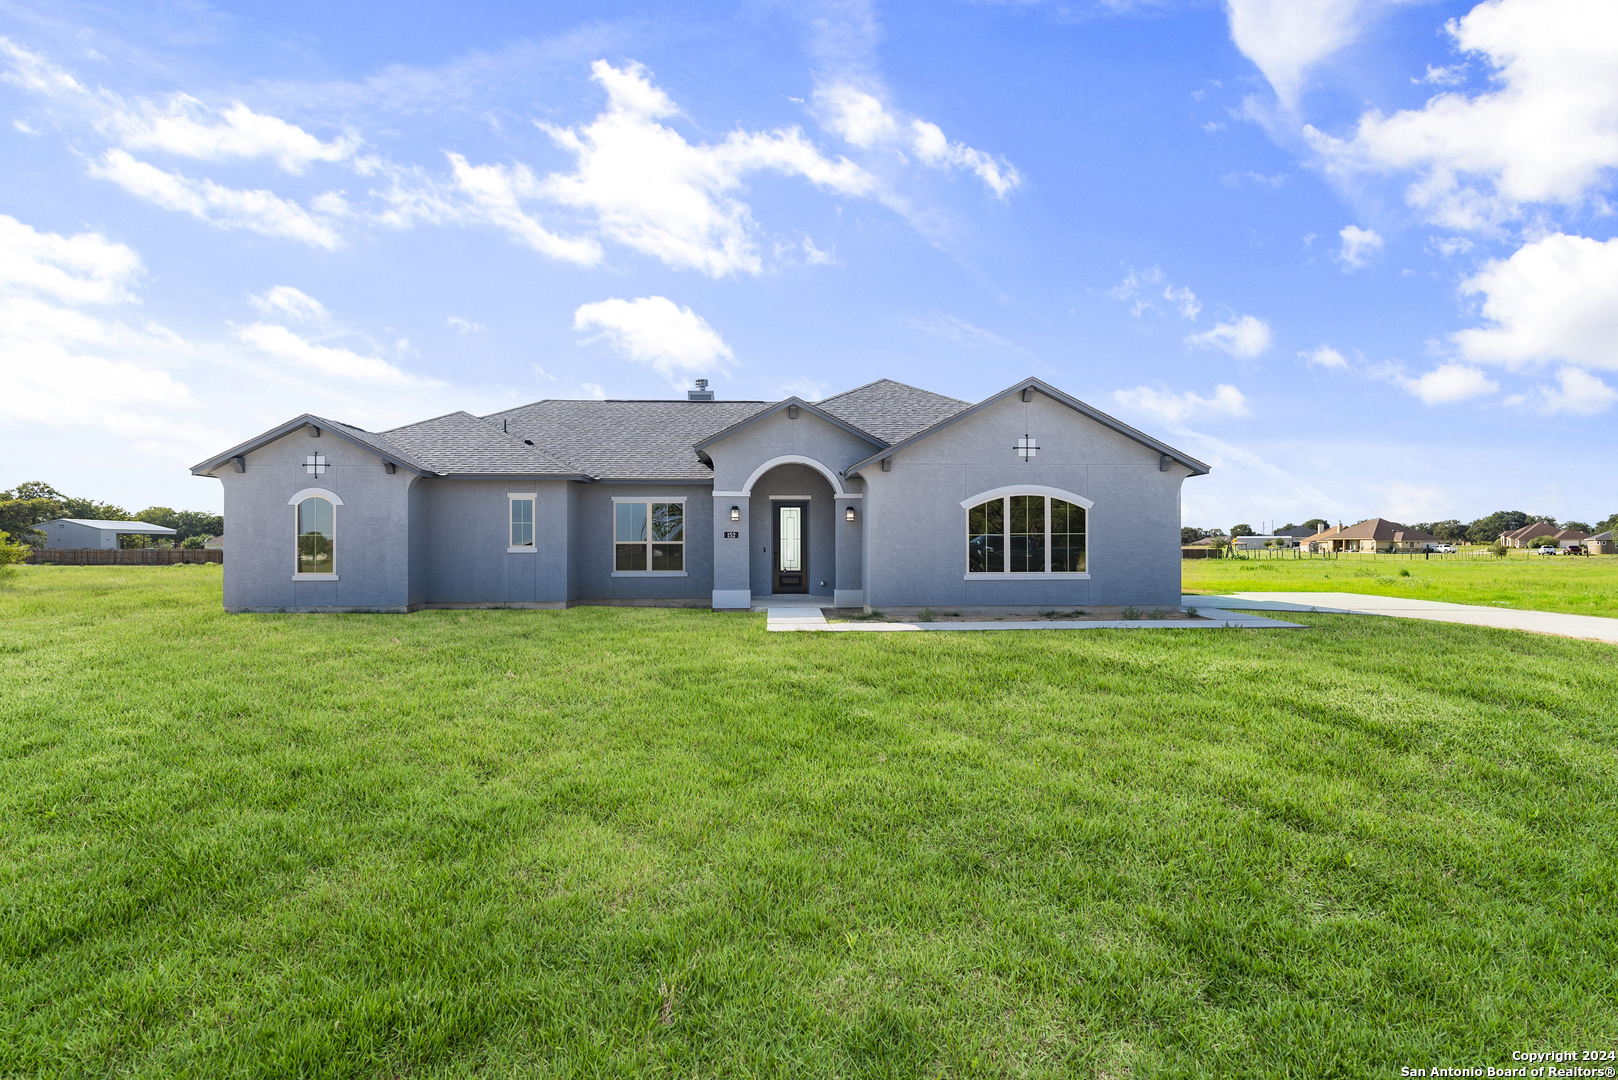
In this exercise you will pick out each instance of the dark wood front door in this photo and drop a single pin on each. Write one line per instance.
(790, 571)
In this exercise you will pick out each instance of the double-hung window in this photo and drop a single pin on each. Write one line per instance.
(1032, 533)
(648, 536)
(522, 521)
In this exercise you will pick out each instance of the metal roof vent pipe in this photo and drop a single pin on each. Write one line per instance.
(701, 393)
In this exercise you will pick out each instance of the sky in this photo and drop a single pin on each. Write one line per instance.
(1358, 255)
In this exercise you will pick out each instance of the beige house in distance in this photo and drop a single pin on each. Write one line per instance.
(1519, 538)
(1371, 535)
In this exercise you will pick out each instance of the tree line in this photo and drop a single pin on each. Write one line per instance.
(36, 502)
(1485, 530)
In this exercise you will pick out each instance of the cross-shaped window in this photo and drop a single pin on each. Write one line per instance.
(1026, 447)
(316, 464)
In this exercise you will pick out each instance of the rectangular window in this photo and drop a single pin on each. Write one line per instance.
(648, 536)
(986, 539)
(1067, 538)
(522, 523)
(1027, 534)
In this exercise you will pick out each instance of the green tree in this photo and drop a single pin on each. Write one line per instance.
(1542, 541)
(1317, 524)
(1242, 530)
(194, 543)
(1579, 525)
(1190, 534)
(1450, 530)
(1607, 523)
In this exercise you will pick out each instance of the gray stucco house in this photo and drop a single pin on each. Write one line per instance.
(886, 495)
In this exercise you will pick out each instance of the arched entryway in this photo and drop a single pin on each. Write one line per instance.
(793, 525)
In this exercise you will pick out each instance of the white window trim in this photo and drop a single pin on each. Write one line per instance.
(790, 498)
(1039, 575)
(315, 493)
(522, 496)
(685, 517)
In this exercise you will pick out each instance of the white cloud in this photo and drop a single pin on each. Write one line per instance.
(1243, 338)
(226, 208)
(1449, 383)
(593, 390)
(1140, 287)
(1449, 245)
(467, 326)
(1545, 132)
(814, 256)
(1579, 392)
(651, 190)
(656, 332)
(1358, 246)
(1177, 408)
(1286, 38)
(863, 120)
(808, 389)
(1324, 356)
(82, 269)
(291, 303)
(326, 361)
(185, 126)
(1555, 299)
(495, 194)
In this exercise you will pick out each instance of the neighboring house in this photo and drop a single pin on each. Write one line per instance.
(215, 543)
(883, 495)
(1296, 533)
(1259, 543)
(1519, 538)
(92, 533)
(1601, 543)
(1570, 538)
(1372, 535)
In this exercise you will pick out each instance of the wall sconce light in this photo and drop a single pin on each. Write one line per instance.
(848, 515)
(735, 513)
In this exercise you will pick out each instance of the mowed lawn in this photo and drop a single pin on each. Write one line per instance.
(1575, 585)
(615, 842)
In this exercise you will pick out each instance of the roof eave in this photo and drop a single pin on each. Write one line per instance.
(1197, 468)
(719, 436)
(206, 468)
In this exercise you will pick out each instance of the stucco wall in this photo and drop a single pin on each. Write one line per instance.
(467, 525)
(372, 532)
(917, 527)
(592, 552)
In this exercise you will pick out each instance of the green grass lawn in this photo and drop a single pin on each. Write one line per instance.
(619, 842)
(1575, 585)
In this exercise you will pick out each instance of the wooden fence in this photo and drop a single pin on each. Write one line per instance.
(122, 556)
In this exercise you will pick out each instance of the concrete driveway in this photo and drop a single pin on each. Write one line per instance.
(1535, 622)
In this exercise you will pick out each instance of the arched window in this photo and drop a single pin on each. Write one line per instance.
(317, 536)
(1026, 534)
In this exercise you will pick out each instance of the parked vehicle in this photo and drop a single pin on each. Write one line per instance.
(1550, 549)
(1444, 549)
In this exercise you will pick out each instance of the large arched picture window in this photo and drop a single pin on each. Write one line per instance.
(1026, 534)
(317, 536)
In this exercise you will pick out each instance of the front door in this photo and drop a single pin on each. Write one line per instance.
(791, 547)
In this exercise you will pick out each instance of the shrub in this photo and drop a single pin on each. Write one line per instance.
(1499, 551)
(193, 543)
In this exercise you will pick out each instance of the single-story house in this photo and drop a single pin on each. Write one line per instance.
(94, 533)
(1371, 535)
(1259, 543)
(214, 543)
(883, 495)
(1519, 538)
(1601, 543)
(1296, 532)
(1570, 538)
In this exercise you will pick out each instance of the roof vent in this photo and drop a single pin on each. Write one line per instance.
(701, 393)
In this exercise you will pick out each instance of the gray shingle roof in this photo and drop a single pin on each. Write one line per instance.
(376, 442)
(891, 410)
(627, 440)
(459, 442)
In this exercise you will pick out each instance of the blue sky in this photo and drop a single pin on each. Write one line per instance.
(1357, 254)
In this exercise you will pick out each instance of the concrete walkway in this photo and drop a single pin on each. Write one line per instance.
(800, 617)
(1535, 622)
